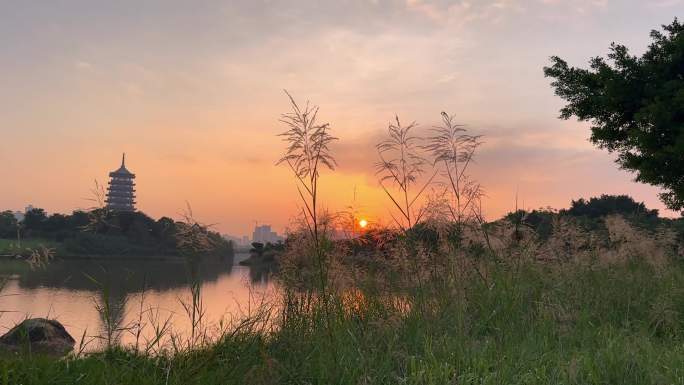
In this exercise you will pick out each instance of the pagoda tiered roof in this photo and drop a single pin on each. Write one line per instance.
(121, 191)
(122, 172)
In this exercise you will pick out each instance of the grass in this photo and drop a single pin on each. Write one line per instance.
(10, 246)
(529, 324)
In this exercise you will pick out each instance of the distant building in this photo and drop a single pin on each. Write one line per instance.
(264, 234)
(237, 241)
(246, 241)
(121, 190)
(19, 216)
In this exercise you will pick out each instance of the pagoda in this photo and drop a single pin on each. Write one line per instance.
(121, 191)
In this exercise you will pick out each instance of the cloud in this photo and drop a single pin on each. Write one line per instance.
(664, 3)
(83, 65)
(576, 6)
(460, 13)
(204, 80)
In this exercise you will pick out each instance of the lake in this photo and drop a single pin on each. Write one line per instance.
(139, 291)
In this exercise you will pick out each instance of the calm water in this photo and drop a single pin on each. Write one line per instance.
(69, 291)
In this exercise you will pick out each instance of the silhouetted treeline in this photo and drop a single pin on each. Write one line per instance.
(590, 213)
(100, 232)
(607, 205)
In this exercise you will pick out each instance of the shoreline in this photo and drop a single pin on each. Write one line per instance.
(110, 257)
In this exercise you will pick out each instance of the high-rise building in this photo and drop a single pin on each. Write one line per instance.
(19, 216)
(121, 190)
(263, 234)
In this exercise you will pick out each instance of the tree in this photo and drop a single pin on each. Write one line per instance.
(35, 219)
(78, 220)
(607, 205)
(636, 108)
(56, 222)
(8, 225)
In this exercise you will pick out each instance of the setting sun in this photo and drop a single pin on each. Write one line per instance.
(349, 177)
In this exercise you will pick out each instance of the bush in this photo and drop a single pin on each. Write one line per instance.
(607, 205)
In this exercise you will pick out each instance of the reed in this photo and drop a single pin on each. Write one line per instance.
(308, 151)
(538, 324)
(405, 312)
(402, 162)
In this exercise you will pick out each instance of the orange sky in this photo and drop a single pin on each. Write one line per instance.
(192, 93)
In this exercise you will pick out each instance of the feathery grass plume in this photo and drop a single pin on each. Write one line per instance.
(40, 257)
(402, 163)
(453, 148)
(99, 213)
(193, 239)
(307, 152)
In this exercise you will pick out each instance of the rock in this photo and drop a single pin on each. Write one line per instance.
(40, 335)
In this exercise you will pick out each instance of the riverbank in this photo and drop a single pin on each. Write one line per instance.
(68, 257)
(11, 249)
(525, 324)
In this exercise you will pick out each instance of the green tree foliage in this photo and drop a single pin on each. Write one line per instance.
(607, 205)
(34, 220)
(541, 221)
(8, 225)
(636, 107)
(115, 233)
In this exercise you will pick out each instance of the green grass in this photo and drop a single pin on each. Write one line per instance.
(526, 325)
(10, 246)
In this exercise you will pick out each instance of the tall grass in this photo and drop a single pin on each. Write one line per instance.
(454, 149)
(419, 308)
(402, 164)
(110, 308)
(307, 153)
(575, 324)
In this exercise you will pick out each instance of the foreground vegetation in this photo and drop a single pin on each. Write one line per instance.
(591, 295)
(429, 306)
(524, 324)
(12, 247)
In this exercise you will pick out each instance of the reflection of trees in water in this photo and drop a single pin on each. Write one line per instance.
(261, 272)
(113, 282)
(110, 305)
(125, 275)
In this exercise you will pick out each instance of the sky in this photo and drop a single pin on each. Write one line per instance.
(192, 92)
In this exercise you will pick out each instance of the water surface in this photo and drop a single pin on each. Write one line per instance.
(138, 290)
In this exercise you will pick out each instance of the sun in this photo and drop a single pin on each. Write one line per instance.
(363, 223)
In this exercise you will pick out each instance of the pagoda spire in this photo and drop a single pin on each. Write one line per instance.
(121, 191)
